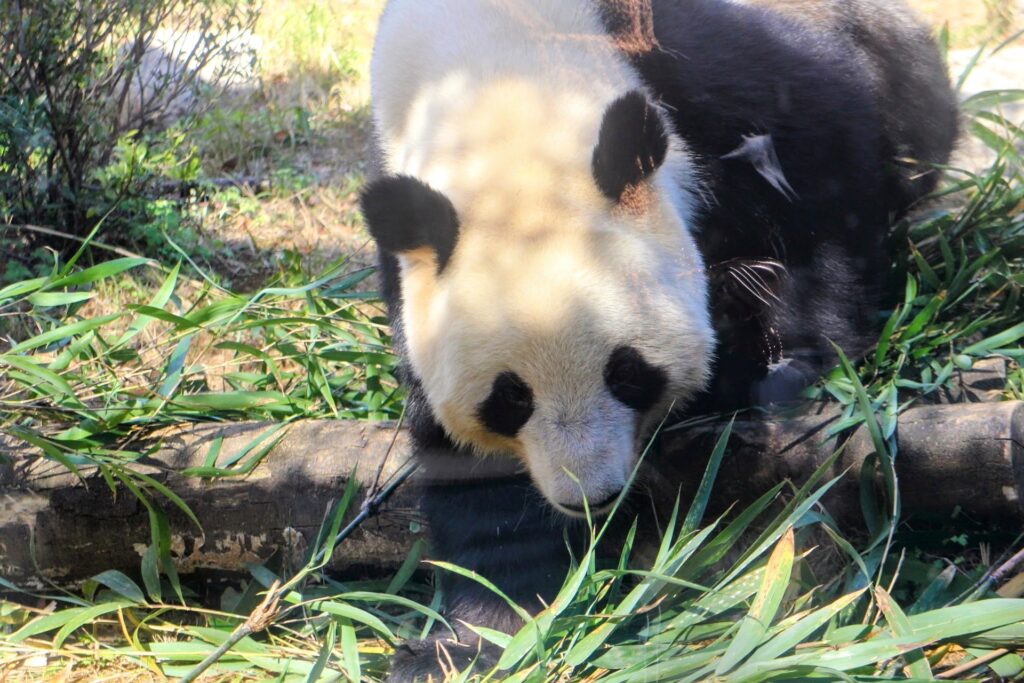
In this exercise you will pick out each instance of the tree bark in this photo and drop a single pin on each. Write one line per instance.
(56, 527)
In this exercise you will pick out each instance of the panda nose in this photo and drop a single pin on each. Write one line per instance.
(594, 505)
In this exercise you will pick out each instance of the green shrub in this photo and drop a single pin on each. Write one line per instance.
(86, 90)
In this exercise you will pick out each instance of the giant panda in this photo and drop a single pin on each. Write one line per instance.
(590, 212)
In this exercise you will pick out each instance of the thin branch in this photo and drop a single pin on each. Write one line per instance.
(260, 618)
(63, 235)
(973, 664)
(1000, 574)
(370, 507)
(267, 611)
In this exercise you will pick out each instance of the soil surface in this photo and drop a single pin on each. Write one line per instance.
(1002, 71)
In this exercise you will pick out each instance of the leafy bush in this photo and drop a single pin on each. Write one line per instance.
(81, 82)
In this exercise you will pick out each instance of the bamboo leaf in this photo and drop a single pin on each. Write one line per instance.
(120, 584)
(796, 634)
(52, 299)
(766, 605)
(700, 500)
(64, 332)
(67, 620)
(900, 625)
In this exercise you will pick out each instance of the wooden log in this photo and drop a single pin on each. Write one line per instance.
(80, 528)
(969, 456)
(962, 455)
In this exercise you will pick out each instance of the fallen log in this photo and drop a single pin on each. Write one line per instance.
(78, 528)
(56, 527)
(966, 456)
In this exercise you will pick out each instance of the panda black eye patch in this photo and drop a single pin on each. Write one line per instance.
(632, 380)
(509, 405)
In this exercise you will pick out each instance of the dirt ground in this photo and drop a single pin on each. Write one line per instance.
(972, 21)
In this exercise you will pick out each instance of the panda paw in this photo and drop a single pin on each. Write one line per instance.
(783, 384)
(438, 658)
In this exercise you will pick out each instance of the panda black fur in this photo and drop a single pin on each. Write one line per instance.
(753, 149)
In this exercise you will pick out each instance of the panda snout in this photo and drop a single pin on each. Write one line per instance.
(597, 507)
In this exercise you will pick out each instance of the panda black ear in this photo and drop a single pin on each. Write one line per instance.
(403, 213)
(632, 144)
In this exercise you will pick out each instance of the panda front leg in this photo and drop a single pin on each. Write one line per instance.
(502, 529)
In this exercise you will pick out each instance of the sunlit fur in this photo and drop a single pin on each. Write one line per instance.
(549, 276)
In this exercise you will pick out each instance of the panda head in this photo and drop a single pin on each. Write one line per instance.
(554, 319)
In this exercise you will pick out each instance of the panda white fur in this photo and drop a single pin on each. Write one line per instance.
(575, 237)
(548, 276)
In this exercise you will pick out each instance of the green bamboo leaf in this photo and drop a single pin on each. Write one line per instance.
(155, 313)
(231, 401)
(885, 338)
(975, 617)
(989, 100)
(793, 513)
(46, 446)
(641, 594)
(408, 568)
(700, 500)
(943, 624)
(1004, 338)
(159, 300)
(967, 70)
(502, 640)
(216, 636)
(676, 668)
(18, 289)
(1007, 667)
(218, 311)
(247, 349)
(340, 609)
(626, 656)
(150, 570)
(991, 139)
(878, 440)
(272, 436)
(350, 650)
(934, 595)
(473, 576)
(166, 492)
(324, 656)
(925, 269)
(101, 271)
(397, 601)
(120, 584)
(67, 620)
(64, 332)
(794, 635)
(754, 625)
(536, 629)
(900, 625)
(925, 316)
(715, 549)
(52, 299)
(46, 376)
(340, 289)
